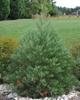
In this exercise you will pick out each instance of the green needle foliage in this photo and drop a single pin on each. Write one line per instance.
(42, 66)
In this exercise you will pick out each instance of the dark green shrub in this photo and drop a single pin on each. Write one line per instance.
(7, 47)
(4, 9)
(42, 66)
(17, 9)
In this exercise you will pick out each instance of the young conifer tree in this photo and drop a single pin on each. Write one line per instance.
(42, 66)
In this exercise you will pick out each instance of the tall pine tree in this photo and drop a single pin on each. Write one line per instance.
(4, 9)
(42, 66)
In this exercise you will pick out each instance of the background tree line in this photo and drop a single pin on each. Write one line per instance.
(69, 11)
(14, 9)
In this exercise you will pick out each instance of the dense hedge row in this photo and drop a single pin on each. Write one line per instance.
(15, 9)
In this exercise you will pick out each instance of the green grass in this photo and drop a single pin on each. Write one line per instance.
(68, 28)
(15, 28)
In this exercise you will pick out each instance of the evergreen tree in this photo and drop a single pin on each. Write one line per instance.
(17, 8)
(41, 66)
(4, 9)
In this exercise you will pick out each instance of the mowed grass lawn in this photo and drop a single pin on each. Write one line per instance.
(68, 28)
